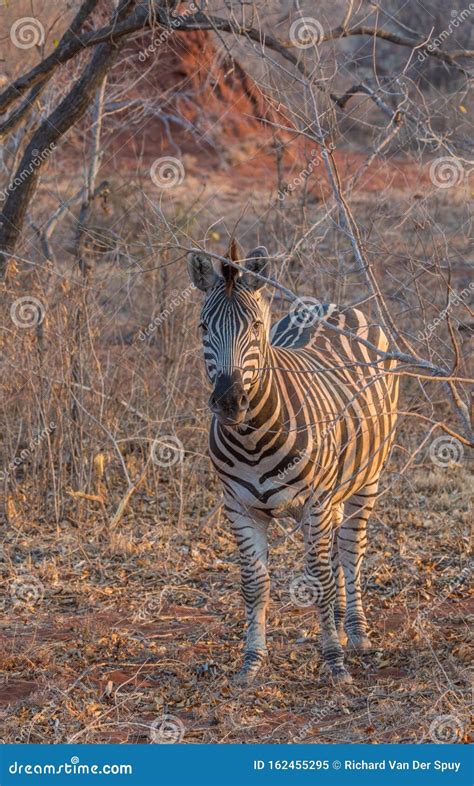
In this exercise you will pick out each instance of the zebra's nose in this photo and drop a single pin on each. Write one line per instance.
(243, 401)
(229, 399)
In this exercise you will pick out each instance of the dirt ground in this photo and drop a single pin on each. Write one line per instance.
(144, 623)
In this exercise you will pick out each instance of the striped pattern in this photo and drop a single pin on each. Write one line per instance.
(318, 424)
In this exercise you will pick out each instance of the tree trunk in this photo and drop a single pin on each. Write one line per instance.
(67, 114)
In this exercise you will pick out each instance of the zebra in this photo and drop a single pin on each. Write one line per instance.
(303, 420)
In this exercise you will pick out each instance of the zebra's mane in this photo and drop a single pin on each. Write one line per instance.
(229, 272)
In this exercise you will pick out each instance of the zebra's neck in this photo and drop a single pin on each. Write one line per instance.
(265, 415)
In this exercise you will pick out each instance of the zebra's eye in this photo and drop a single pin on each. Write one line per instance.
(257, 326)
(203, 327)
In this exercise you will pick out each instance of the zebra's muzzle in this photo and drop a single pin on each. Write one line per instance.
(229, 401)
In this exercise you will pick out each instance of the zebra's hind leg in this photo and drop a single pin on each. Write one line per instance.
(340, 603)
(318, 528)
(251, 538)
(352, 542)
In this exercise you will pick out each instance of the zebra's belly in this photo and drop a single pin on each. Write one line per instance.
(276, 503)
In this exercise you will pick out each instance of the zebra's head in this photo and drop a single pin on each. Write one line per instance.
(234, 324)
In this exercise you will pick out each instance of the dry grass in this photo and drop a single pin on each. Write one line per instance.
(148, 620)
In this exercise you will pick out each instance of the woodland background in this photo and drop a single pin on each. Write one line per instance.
(343, 142)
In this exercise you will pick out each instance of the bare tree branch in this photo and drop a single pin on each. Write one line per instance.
(63, 52)
(141, 20)
(69, 111)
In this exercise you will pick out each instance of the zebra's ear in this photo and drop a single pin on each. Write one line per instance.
(201, 270)
(257, 261)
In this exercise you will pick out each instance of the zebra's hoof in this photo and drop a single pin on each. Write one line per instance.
(359, 643)
(244, 677)
(250, 669)
(341, 676)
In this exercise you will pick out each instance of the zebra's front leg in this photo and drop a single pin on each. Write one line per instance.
(352, 542)
(318, 540)
(251, 538)
(338, 572)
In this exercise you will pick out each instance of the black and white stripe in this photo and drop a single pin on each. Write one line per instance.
(304, 419)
